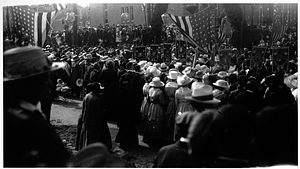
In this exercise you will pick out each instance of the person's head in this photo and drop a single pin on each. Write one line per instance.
(202, 97)
(95, 88)
(110, 64)
(183, 121)
(26, 74)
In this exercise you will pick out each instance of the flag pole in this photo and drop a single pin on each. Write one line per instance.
(194, 60)
(75, 24)
(7, 20)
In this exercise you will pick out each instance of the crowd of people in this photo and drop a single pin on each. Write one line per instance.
(200, 114)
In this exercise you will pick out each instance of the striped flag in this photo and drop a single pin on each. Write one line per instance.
(58, 7)
(278, 32)
(196, 28)
(34, 25)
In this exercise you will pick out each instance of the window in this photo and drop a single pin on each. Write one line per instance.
(131, 14)
(122, 10)
(126, 10)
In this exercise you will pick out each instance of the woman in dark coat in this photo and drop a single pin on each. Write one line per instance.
(94, 125)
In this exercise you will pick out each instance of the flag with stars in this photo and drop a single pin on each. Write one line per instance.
(34, 25)
(197, 27)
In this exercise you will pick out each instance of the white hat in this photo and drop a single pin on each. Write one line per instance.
(198, 67)
(203, 94)
(183, 80)
(221, 83)
(187, 70)
(156, 82)
(173, 75)
(222, 74)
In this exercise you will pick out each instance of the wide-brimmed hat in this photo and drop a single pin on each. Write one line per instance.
(222, 74)
(292, 81)
(173, 75)
(88, 56)
(221, 83)
(183, 80)
(197, 67)
(163, 67)
(156, 82)
(23, 62)
(203, 94)
(187, 70)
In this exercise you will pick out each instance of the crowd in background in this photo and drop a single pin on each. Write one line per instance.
(249, 114)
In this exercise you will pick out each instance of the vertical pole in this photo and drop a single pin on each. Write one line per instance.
(75, 24)
(252, 13)
(7, 20)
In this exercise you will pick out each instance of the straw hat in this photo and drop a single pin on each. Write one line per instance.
(187, 70)
(197, 67)
(156, 82)
(222, 74)
(163, 67)
(183, 80)
(203, 94)
(23, 62)
(221, 83)
(173, 75)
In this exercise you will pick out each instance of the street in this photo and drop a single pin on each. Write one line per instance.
(64, 116)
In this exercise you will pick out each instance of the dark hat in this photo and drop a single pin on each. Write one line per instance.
(23, 62)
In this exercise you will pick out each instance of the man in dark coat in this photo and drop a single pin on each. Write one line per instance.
(127, 118)
(94, 125)
(108, 78)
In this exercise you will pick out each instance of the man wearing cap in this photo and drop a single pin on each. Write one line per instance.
(29, 140)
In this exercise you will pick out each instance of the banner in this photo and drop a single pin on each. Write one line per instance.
(153, 53)
(167, 51)
(258, 56)
(225, 56)
(280, 57)
(140, 53)
(181, 49)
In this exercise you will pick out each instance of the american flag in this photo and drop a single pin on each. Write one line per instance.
(278, 28)
(58, 6)
(278, 32)
(196, 27)
(34, 25)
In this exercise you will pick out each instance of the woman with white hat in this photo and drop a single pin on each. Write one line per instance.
(181, 103)
(156, 112)
(170, 90)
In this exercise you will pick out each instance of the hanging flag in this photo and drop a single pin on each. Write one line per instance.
(258, 56)
(180, 49)
(167, 48)
(154, 52)
(196, 28)
(280, 57)
(34, 25)
(58, 6)
(278, 32)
